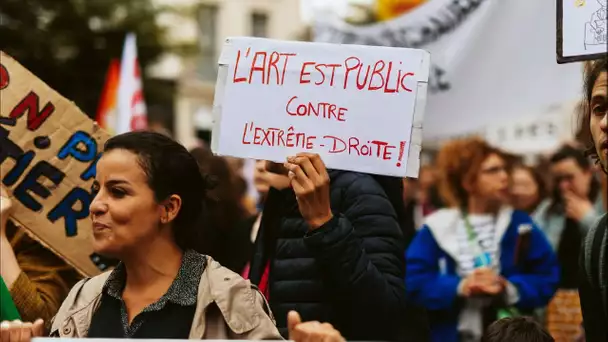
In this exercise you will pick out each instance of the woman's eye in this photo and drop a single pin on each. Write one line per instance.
(118, 193)
(599, 110)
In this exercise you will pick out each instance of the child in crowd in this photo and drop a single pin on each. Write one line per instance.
(519, 329)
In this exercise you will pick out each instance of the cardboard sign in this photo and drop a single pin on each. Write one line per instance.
(48, 152)
(582, 30)
(360, 107)
(564, 316)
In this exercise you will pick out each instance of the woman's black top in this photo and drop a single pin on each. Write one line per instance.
(168, 318)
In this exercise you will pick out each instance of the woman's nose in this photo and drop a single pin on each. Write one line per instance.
(97, 206)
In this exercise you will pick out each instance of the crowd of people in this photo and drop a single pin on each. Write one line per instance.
(478, 248)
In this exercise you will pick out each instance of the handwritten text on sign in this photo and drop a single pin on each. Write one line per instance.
(48, 153)
(354, 105)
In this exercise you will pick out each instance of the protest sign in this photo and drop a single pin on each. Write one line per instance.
(48, 152)
(564, 316)
(582, 30)
(359, 107)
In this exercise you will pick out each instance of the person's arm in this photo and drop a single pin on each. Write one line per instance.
(9, 267)
(591, 305)
(40, 287)
(426, 285)
(589, 220)
(536, 287)
(360, 254)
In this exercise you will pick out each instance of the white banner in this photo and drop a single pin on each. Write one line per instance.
(491, 59)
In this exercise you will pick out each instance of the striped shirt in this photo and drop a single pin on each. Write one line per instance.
(484, 227)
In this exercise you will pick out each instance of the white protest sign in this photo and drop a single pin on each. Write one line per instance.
(359, 107)
(582, 30)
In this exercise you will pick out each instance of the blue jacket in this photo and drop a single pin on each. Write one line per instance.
(432, 281)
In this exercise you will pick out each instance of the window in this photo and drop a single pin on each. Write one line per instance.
(207, 22)
(259, 25)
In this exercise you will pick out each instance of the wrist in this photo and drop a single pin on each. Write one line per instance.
(319, 222)
(462, 289)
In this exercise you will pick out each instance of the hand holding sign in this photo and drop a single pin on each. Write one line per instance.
(310, 331)
(310, 182)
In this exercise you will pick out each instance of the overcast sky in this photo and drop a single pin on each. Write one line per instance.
(337, 6)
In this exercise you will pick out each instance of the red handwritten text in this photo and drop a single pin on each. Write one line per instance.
(321, 109)
(270, 68)
(354, 146)
(4, 77)
(264, 64)
(253, 135)
(31, 104)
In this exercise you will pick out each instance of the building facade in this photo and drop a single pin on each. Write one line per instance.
(208, 24)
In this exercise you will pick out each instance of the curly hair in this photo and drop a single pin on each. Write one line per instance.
(459, 161)
(593, 70)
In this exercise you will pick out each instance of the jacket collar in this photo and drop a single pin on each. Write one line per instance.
(444, 222)
(232, 294)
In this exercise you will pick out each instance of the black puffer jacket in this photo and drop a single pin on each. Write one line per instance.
(350, 272)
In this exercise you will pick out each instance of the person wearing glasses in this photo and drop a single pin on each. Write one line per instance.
(478, 260)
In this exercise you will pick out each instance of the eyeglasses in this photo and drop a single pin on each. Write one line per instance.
(561, 178)
(495, 170)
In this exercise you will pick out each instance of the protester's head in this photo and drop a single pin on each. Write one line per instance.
(571, 171)
(595, 118)
(149, 193)
(202, 155)
(528, 188)
(410, 189)
(519, 329)
(268, 174)
(471, 168)
(427, 177)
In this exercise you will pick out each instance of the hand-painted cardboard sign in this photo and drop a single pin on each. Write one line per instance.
(48, 152)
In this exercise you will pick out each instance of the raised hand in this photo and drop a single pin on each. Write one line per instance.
(312, 331)
(310, 182)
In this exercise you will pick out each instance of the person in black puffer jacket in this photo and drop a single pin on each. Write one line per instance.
(348, 272)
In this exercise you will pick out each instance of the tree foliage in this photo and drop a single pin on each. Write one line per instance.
(69, 43)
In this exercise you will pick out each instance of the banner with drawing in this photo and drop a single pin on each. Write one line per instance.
(443, 27)
(48, 152)
(354, 105)
(582, 30)
(489, 59)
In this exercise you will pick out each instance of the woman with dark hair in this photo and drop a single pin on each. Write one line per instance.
(593, 278)
(227, 234)
(479, 259)
(528, 188)
(148, 210)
